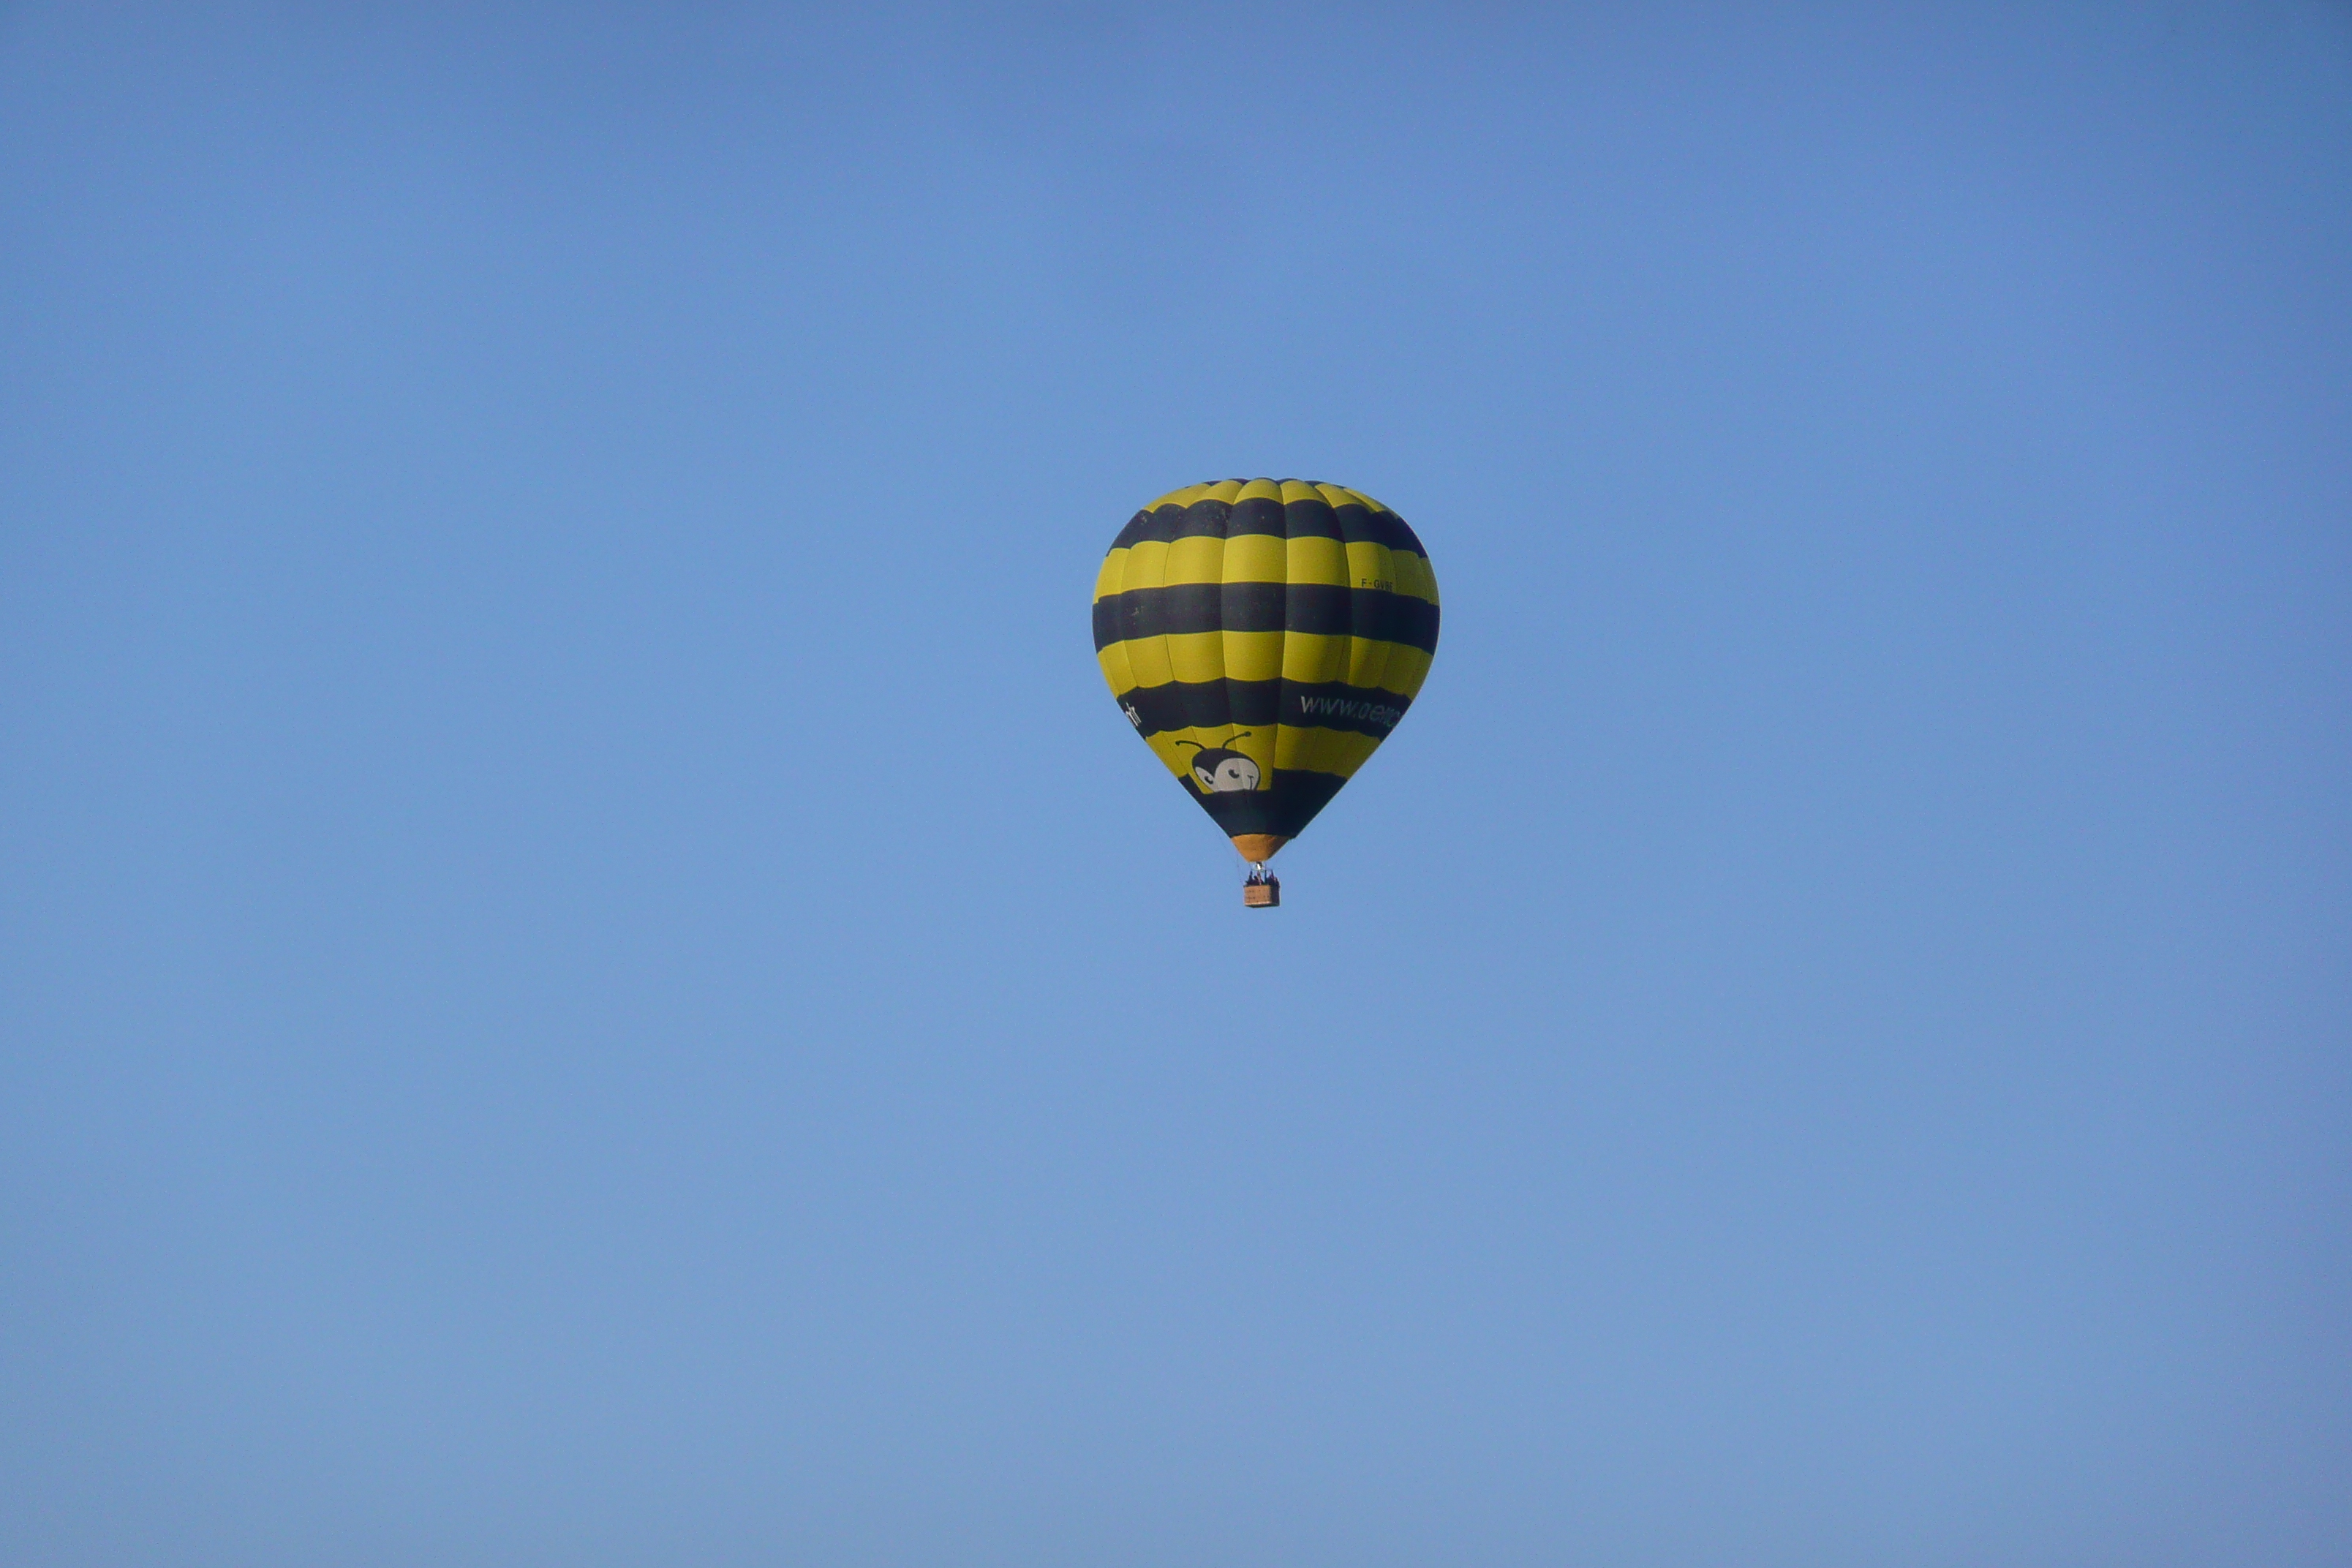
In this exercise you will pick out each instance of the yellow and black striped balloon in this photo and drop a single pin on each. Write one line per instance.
(1264, 637)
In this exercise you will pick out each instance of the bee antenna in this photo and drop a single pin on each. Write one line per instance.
(1191, 743)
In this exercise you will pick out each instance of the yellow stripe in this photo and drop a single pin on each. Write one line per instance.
(1407, 668)
(1145, 566)
(1313, 659)
(1146, 661)
(1113, 575)
(1414, 575)
(1320, 750)
(1318, 561)
(1265, 558)
(1195, 657)
(1308, 747)
(1368, 662)
(1257, 558)
(1310, 659)
(1221, 490)
(1253, 655)
(1401, 572)
(1117, 670)
(1262, 656)
(1284, 491)
(1341, 495)
(1198, 559)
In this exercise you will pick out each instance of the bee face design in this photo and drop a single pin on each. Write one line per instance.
(1219, 773)
(1219, 770)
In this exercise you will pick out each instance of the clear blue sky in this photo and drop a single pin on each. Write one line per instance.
(589, 974)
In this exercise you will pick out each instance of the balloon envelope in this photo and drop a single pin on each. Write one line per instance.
(1264, 637)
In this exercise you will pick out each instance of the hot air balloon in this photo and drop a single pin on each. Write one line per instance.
(1264, 637)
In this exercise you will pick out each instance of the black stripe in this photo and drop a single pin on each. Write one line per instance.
(1317, 607)
(1310, 518)
(1262, 704)
(1285, 809)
